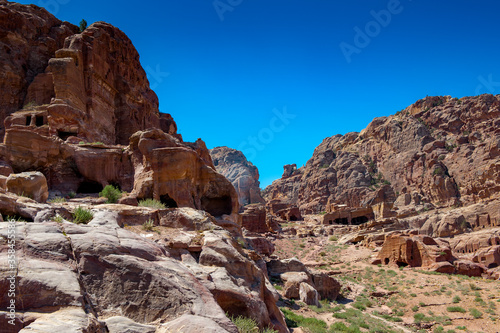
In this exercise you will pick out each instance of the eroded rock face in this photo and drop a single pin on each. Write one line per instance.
(101, 90)
(425, 153)
(67, 268)
(29, 37)
(413, 250)
(241, 173)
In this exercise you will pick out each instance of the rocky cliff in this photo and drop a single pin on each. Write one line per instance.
(29, 38)
(440, 151)
(243, 174)
(78, 114)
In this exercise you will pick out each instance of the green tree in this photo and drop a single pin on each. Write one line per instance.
(83, 25)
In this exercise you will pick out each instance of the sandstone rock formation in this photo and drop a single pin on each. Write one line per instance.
(29, 37)
(30, 184)
(93, 96)
(294, 274)
(424, 153)
(243, 174)
(159, 281)
(92, 120)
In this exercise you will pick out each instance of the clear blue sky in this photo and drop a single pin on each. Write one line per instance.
(225, 77)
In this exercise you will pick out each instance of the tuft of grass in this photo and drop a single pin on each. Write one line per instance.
(57, 200)
(475, 313)
(248, 325)
(312, 324)
(82, 216)
(152, 203)
(149, 225)
(456, 309)
(71, 195)
(456, 299)
(111, 193)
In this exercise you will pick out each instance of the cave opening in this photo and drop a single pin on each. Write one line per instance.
(401, 264)
(359, 220)
(89, 186)
(386, 261)
(168, 201)
(28, 120)
(492, 265)
(342, 221)
(217, 206)
(38, 121)
(65, 135)
(293, 218)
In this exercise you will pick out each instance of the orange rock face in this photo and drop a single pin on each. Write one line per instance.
(414, 251)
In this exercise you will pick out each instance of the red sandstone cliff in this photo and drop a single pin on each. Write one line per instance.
(441, 151)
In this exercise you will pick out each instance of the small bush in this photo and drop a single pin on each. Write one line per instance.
(83, 25)
(456, 299)
(111, 193)
(71, 195)
(333, 238)
(244, 325)
(82, 216)
(438, 329)
(148, 225)
(57, 200)
(152, 203)
(414, 308)
(455, 309)
(418, 317)
(476, 313)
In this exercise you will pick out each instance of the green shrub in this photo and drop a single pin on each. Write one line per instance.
(82, 216)
(244, 325)
(333, 238)
(438, 329)
(111, 193)
(71, 195)
(414, 308)
(455, 309)
(476, 313)
(152, 203)
(83, 25)
(418, 317)
(456, 299)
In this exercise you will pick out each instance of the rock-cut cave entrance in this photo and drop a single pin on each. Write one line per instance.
(359, 220)
(65, 135)
(89, 186)
(168, 201)
(217, 206)
(342, 221)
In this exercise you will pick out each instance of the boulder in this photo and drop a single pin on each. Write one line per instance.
(469, 268)
(30, 184)
(308, 294)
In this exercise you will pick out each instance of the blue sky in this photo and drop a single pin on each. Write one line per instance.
(274, 78)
